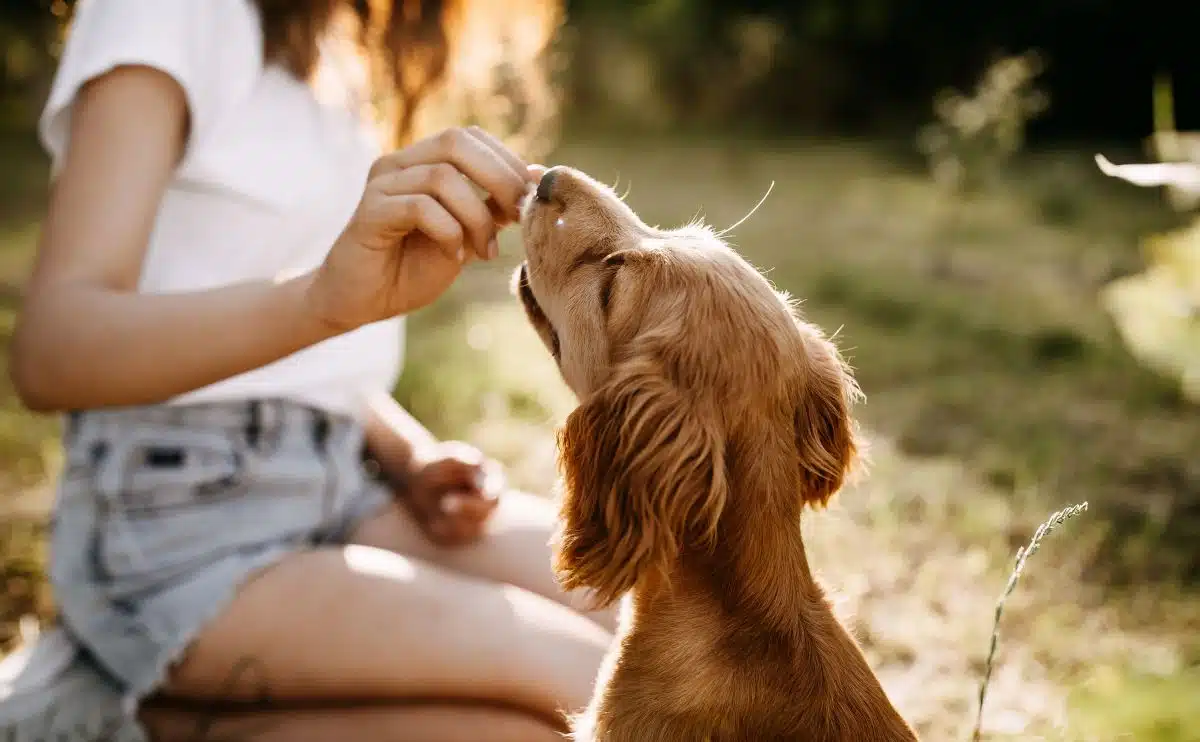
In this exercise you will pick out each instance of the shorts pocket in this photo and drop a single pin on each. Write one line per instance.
(164, 498)
(168, 468)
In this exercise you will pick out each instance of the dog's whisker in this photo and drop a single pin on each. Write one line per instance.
(742, 221)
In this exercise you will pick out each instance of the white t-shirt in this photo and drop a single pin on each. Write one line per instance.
(269, 178)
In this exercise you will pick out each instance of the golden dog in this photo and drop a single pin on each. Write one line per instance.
(710, 414)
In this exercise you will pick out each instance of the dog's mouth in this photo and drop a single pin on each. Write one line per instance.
(533, 310)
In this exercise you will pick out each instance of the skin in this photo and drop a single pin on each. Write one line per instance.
(484, 621)
(393, 723)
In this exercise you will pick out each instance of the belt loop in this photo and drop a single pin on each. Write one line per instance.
(320, 429)
(254, 423)
(71, 427)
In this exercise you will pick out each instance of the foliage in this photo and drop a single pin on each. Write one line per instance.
(975, 135)
(1157, 311)
(27, 38)
(1023, 554)
(817, 65)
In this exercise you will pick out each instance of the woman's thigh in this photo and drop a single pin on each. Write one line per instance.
(515, 549)
(360, 623)
(424, 722)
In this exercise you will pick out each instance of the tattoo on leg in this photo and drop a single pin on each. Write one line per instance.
(248, 673)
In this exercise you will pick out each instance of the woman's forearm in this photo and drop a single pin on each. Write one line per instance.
(79, 347)
(395, 438)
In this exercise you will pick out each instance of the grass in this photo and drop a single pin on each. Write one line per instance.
(997, 392)
(1023, 555)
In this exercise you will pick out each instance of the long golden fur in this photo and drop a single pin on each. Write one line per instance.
(710, 414)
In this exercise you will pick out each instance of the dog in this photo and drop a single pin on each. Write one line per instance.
(710, 414)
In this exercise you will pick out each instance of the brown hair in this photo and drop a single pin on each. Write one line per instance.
(472, 61)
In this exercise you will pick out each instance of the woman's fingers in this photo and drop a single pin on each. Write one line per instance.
(531, 174)
(420, 212)
(489, 139)
(467, 506)
(462, 519)
(453, 192)
(480, 162)
(490, 481)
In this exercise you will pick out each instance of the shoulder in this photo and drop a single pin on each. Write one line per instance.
(122, 18)
(211, 48)
(173, 29)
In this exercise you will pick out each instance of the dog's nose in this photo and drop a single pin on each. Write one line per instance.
(545, 188)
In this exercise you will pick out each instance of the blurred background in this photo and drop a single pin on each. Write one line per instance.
(1026, 329)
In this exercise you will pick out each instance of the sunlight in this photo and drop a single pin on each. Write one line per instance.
(369, 560)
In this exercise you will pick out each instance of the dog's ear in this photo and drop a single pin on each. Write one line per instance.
(826, 436)
(643, 473)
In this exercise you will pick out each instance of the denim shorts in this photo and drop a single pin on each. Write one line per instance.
(162, 513)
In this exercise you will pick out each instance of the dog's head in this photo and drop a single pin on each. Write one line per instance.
(689, 367)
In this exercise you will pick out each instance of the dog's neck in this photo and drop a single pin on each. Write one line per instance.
(759, 570)
(760, 565)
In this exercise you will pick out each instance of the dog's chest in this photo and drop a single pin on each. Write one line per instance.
(679, 675)
(667, 685)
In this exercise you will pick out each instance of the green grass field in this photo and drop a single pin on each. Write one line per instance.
(997, 393)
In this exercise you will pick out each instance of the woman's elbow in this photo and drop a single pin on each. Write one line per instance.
(34, 395)
(30, 364)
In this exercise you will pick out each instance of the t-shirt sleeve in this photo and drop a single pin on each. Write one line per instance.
(212, 48)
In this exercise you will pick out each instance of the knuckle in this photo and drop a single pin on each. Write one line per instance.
(429, 177)
(379, 166)
(450, 141)
(412, 208)
(440, 176)
(374, 211)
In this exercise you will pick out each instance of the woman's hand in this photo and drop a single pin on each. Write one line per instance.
(452, 492)
(450, 488)
(419, 220)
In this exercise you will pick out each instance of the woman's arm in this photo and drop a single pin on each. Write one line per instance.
(450, 489)
(84, 337)
(396, 439)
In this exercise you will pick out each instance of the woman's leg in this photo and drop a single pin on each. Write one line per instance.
(515, 549)
(360, 623)
(383, 723)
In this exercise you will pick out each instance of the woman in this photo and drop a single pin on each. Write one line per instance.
(217, 301)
